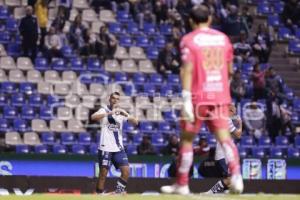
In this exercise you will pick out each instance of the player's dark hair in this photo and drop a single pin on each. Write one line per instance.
(115, 93)
(200, 14)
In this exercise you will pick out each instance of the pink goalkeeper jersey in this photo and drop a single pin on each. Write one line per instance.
(209, 51)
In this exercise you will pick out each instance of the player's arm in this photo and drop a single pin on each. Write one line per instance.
(100, 114)
(131, 119)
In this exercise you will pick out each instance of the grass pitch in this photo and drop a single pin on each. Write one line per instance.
(152, 197)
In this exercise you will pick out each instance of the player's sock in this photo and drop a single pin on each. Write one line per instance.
(219, 187)
(184, 163)
(121, 186)
(232, 156)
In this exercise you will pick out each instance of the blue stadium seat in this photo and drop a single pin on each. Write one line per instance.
(297, 141)
(126, 41)
(10, 112)
(59, 149)
(8, 87)
(27, 88)
(22, 148)
(67, 138)
(137, 139)
(165, 29)
(94, 65)
(4, 13)
(27, 112)
(294, 47)
(156, 79)
(3, 99)
(121, 77)
(211, 140)
(274, 20)
(276, 152)
(296, 105)
(159, 41)
(129, 128)
(281, 141)
(84, 138)
(170, 116)
(243, 152)
(4, 37)
(59, 64)
(278, 7)
(18, 99)
(131, 149)
(150, 29)
(142, 41)
(78, 149)
(41, 148)
(166, 91)
(115, 28)
(264, 142)
(264, 8)
(123, 16)
(165, 127)
(93, 149)
(77, 65)
(53, 100)
(173, 79)
(132, 29)
(46, 113)
(149, 89)
(67, 52)
(295, 118)
(48, 138)
(21, 125)
(152, 53)
(35, 100)
(102, 78)
(11, 24)
(139, 78)
(284, 33)
(4, 125)
(293, 152)
(157, 139)
(146, 127)
(125, 139)
(13, 49)
(297, 33)
(258, 152)
(41, 64)
(129, 89)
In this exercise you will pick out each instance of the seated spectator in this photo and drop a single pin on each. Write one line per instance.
(168, 60)
(90, 46)
(173, 146)
(145, 148)
(161, 12)
(60, 20)
(286, 121)
(291, 14)
(107, 44)
(76, 33)
(243, 50)
(237, 86)
(254, 120)
(263, 44)
(53, 44)
(143, 11)
(202, 148)
(258, 79)
(65, 6)
(246, 19)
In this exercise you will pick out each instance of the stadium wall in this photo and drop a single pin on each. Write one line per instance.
(30, 185)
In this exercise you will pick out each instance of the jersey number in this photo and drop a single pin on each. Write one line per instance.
(213, 58)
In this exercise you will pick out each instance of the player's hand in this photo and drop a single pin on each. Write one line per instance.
(121, 111)
(188, 110)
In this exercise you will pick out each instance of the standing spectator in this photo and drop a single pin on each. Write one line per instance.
(258, 79)
(53, 44)
(286, 121)
(263, 44)
(168, 60)
(65, 6)
(291, 14)
(90, 45)
(117, 4)
(160, 11)
(237, 86)
(76, 33)
(41, 11)
(243, 50)
(145, 148)
(100, 4)
(107, 44)
(255, 120)
(274, 85)
(172, 147)
(31, 3)
(60, 20)
(144, 13)
(29, 32)
(232, 25)
(247, 19)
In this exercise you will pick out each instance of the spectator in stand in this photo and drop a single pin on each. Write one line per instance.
(286, 121)
(100, 4)
(145, 148)
(263, 44)
(107, 44)
(53, 44)
(117, 4)
(65, 6)
(41, 11)
(29, 34)
(60, 20)
(161, 12)
(243, 50)
(144, 12)
(76, 34)
(254, 120)
(172, 147)
(274, 86)
(183, 8)
(177, 33)
(258, 79)
(237, 86)
(90, 45)
(246, 19)
(202, 148)
(168, 60)
(291, 14)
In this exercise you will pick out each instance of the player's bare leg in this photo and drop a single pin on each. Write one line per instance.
(231, 154)
(101, 180)
(122, 181)
(184, 163)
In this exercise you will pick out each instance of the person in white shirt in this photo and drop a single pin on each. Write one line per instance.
(111, 148)
(53, 44)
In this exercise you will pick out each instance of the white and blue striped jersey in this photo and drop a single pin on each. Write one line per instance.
(111, 138)
(219, 151)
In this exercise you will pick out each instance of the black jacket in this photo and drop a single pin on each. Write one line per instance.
(29, 28)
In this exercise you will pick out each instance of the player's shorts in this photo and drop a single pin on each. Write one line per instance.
(118, 159)
(215, 117)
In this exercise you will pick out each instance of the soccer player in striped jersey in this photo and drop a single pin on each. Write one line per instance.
(111, 149)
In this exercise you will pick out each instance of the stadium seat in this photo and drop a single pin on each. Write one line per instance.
(159, 41)
(121, 53)
(165, 127)
(115, 28)
(27, 88)
(149, 29)
(137, 138)
(16, 76)
(149, 89)
(59, 149)
(11, 24)
(123, 16)
(82, 113)
(142, 41)
(89, 15)
(94, 65)
(242, 152)
(93, 149)
(166, 91)
(4, 13)
(129, 128)
(18, 99)
(276, 152)
(293, 152)
(44, 88)
(62, 89)
(41, 149)
(47, 138)
(3, 76)
(4, 100)
(27, 112)
(170, 116)
(84, 138)
(21, 125)
(13, 138)
(166, 29)
(281, 142)
(294, 47)
(53, 100)
(258, 152)
(136, 53)
(129, 66)
(46, 113)
(132, 29)
(264, 142)
(78, 149)
(57, 125)
(67, 138)
(77, 65)
(34, 76)
(126, 41)
(131, 149)
(39, 125)
(13, 49)
(10, 112)
(31, 138)
(22, 148)
(278, 7)
(4, 37)
(152, 53)
(52, 76)
(157, 139)
(41, 64)
(8, 87)
(211, 140)
(274, 20)
(35, 100)
(263, 8)
(284, 33)
(121, 77)
(59, 64)
(7, 62)
(64, 113)
(156, 79)
(4, 125)
(297, 141)
(69, 76)
(75, 126)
